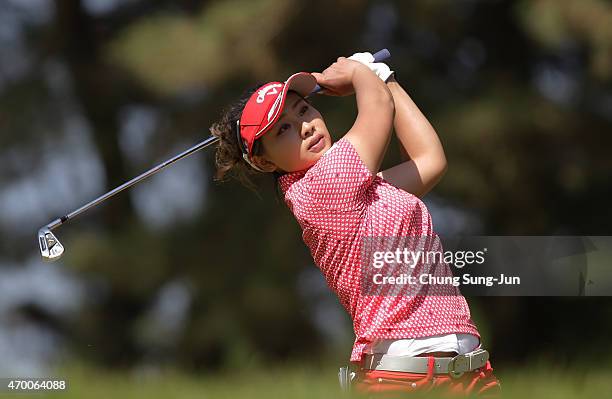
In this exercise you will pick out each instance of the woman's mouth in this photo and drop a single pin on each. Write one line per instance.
(316, 144)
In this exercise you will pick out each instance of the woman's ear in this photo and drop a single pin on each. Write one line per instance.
(263, 164)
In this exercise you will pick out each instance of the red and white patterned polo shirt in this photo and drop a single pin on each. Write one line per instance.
(338, 202)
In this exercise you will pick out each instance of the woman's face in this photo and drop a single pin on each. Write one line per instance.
(297, 140)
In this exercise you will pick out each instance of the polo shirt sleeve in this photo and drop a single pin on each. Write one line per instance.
(340, 179)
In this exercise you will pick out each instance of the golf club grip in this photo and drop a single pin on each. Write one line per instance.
(379, 56)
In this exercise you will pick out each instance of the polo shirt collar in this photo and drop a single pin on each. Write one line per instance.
(287, 180)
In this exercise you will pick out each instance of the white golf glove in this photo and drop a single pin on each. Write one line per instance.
(381, 69)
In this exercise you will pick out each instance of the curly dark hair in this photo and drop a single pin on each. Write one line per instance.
(228, 157)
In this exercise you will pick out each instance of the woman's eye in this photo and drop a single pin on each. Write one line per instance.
(303, 110)
(283, 127)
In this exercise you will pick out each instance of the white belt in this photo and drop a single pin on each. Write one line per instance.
(455, 366)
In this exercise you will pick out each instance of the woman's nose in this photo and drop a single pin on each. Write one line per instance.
(307, 129)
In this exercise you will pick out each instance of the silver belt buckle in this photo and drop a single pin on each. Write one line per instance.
(467, 362)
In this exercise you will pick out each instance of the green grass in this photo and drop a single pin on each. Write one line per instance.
(300, 382)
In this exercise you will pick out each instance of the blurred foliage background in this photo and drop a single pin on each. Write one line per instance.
(186, 272)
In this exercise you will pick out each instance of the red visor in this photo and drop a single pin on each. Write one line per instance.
(265, 105)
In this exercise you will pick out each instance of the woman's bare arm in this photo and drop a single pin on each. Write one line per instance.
(427, 163)
(371, 132)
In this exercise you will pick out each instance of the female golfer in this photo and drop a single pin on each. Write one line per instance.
(339, 197)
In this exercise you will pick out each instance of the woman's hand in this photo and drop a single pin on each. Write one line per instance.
(337, 79)
(381, 69)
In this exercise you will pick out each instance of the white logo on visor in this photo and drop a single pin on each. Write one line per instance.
(274, 107)
(268, 90)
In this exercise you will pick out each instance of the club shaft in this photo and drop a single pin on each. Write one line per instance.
(209, 141)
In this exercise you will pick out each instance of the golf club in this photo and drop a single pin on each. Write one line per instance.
(50, 247)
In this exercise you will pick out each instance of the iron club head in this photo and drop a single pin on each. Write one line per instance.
(50, 247)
